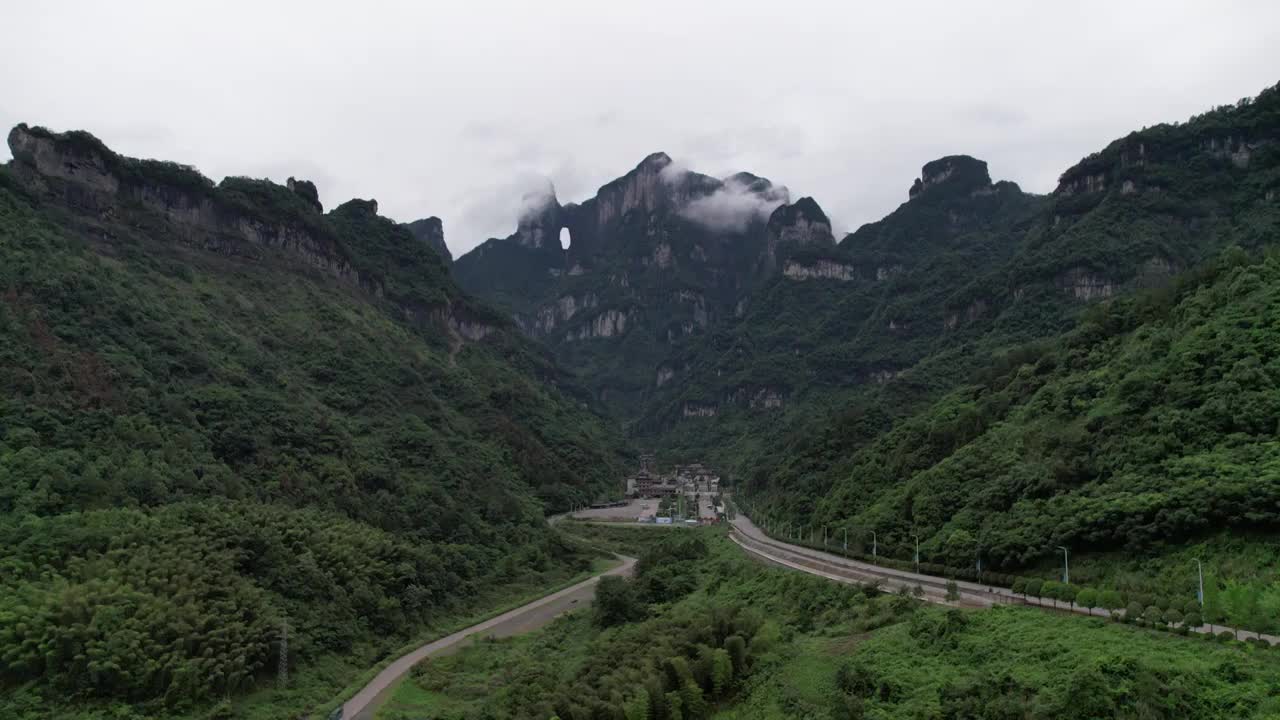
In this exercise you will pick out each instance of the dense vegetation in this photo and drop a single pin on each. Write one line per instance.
(819, 649)
(195, 449)
(1154, 422)
(682, 637)
(1034, 401)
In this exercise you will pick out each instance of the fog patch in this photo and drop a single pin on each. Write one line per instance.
(735, 206)
(537, 195)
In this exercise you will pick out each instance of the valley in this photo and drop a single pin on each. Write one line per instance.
(676, 448)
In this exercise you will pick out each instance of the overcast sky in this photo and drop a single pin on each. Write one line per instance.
(453, 108)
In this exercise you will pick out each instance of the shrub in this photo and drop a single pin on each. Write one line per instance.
(1133, 611)
(1033, 587)
(1050, 589)
(953, 591)
(615, 602)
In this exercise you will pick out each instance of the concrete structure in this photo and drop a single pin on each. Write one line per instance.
(695, 484)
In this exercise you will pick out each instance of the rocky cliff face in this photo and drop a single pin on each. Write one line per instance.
(956, 173)
(431, 231)
(658, 257)
(1227, 139)
(252, 220)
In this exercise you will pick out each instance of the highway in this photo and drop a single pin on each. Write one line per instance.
(841, 569)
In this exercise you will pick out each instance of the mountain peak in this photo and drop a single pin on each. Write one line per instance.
(802, 222)
(431, 231)
(657, 160)
(962, 172)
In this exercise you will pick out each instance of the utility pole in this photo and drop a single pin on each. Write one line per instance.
(824, 536)
(1066, 568)
(874, 554)
(979, 563)
(282, 677)
(846, 539)
(1200, 588)
(917, 537)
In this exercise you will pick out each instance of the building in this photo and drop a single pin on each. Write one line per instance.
(688, 479)
(646, 484)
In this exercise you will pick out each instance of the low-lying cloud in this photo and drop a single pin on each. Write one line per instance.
(539, 193)
(735, 206)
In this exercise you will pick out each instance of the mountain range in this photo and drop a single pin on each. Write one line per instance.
(754, 339)
(225, 409)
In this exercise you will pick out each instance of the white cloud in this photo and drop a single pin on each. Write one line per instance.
(432, 108)
(733, 207)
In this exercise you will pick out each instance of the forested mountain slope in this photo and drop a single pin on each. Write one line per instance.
(847, 341)
(830, 390)
(221, 407)
(1156, 420)
(1149, 425)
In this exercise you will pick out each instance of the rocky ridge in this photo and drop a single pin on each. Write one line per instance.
(245, 218)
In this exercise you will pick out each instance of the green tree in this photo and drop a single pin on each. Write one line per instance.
(694, 702)
(675, 706)
(1133, 611)
(615, 602)
(1052, 589)
(1033, 587)
(721, 672)
(737, 649)
(959, 549)
(638, 707)
(1087, 598)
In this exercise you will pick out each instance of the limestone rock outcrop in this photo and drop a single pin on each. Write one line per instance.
(959, 174)
(431, 231)
(240, 217)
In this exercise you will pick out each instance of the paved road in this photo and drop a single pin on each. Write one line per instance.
(836, 567)
(364, 705)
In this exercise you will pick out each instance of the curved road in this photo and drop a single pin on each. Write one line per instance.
(841, 569)
(364, 705)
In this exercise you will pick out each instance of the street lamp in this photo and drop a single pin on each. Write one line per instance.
(846, 539)
(873, 544)
(824, 536)
(917, 537)
(1200, 577)
(1066, 567)
(979, 563)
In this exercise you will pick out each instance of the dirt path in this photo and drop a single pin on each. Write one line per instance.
(364, 705)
